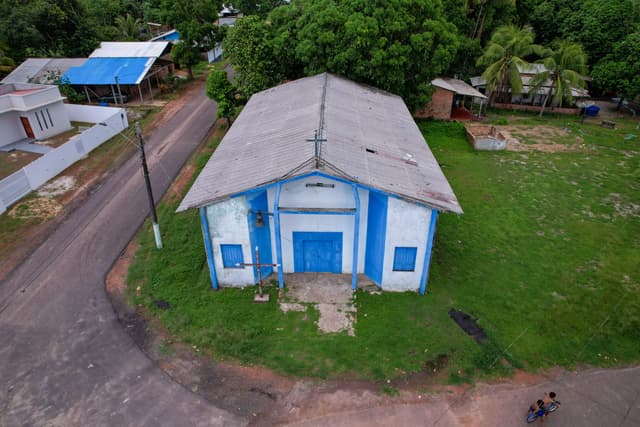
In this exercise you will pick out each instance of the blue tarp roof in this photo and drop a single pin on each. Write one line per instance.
(170, 36)
(103, 71)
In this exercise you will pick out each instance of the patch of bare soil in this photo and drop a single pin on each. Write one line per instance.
(622, 207)
(545, 135)
(117, 277)
(57, 187)
(41, 207)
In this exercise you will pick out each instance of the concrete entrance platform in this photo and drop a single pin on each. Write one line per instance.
(330, 294)
(26, 145)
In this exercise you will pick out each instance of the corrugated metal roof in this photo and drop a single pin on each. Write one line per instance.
(38, 70)
(129, 50)
(172, 35)
(575, 91)
(103, 71)
(370, 135)
(457, 86)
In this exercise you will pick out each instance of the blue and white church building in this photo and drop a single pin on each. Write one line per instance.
(322, 174)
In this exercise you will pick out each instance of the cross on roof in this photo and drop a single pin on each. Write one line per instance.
(317, 142)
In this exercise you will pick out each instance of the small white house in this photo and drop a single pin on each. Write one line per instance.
(31, 111)
(322, 174)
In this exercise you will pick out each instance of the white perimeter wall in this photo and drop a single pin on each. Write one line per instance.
(407, 226)
(228, 225)
(92, 114)
(11, 129)
(36, 173)
(296, 194)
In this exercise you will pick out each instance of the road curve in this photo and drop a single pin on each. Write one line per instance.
(64, 357)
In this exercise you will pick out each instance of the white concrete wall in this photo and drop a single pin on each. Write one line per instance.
(43, 127)
(296, 194)
(11, 129)
(57, 160)
(407, 226)
(92, 114)
(228, 225)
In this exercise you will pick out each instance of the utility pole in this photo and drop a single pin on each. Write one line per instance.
(145, 171)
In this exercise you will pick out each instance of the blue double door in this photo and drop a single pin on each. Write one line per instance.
(317, 252)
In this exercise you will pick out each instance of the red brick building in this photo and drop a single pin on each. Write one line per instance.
(450, 100)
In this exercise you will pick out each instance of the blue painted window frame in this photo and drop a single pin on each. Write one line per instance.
(404, 258)
(231, 256)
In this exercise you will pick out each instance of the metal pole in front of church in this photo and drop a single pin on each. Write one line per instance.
(145, 172)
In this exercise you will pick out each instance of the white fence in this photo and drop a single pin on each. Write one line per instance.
(109, 122)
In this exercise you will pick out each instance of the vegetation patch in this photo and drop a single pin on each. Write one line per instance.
(541, 258)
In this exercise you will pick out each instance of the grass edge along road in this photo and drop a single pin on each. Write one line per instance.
(545, 257)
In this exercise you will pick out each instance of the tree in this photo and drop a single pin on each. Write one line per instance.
(128, 27)
(257, 7)
(175, 12)
(505, 52)
(194, 39)
(485, 9)
(248, 46)
(222, 91)
(619, 71)
(40, 27)
(396, 45)
(6, 63)
(596, 24)
(565, 67)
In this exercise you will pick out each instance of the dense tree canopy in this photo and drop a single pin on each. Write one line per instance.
(45, 27)
(619, 71)
(396, 45)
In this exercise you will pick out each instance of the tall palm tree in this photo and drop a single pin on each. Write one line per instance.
(128, 26)
(504, 53)
(564, 69)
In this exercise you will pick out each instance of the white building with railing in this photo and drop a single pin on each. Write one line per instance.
(29, 111)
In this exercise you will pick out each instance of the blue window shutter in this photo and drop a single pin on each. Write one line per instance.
(404, 259)
(232, 256)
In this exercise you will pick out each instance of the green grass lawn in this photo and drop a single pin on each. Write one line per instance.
(546, 257)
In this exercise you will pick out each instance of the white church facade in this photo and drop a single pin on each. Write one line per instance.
(322, 175)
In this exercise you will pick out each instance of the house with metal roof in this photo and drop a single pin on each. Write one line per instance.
(43, 71)
(118, 71)
(30, 112)
(452, 99)
(528, 96)
(322, 174)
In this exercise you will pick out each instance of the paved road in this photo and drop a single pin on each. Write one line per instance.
(593, 398)
(64, 358)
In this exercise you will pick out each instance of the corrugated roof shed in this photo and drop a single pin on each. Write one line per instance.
(370, 135)
(170, 36)
(129, 50)
(38, 70)
(103, 71)
(457, 86)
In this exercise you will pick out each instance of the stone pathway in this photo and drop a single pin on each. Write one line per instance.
(330, 294)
